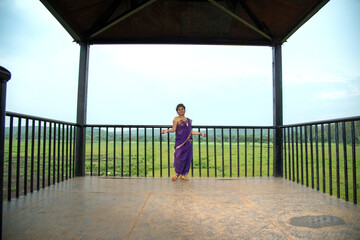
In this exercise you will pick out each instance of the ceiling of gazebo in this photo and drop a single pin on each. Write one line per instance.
(229, 22)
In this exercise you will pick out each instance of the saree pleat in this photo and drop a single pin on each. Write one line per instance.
(183, 148)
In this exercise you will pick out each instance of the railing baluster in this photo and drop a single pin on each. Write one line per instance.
(67, 152)
(44, 157)
(268, 155)
(238, 152)
(261, 137)
(168, 147)
(245, 152)
(122, 151)
(54, 155)
(62, 151)
(301, 156)
(345, 162)
(91, 150)
(26, 155)
(317, 157)
(161, 156)
(99, 153)
(353, 161)
(323, 158)
(38, 157)
(153, 152)
(32, 156)
(297, 154)
(215, 152)
(207, 152)
(199, 155)
(285, 155)
(114, 151)
(11, 132)
(145, 152)
(337, 160)
(306, 156)
(107, 152)
(330, 164)
(18, 160)
(312, 157)
(293, 154)
(58, 159)
(71, 159)
(230, 157)
(289, 152)
(137, 152)
(49, 159)
(130, 152)
(253, 153)
(222, 152)
(74, 152)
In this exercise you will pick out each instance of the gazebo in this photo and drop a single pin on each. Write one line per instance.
(257, 23)
(196, 22)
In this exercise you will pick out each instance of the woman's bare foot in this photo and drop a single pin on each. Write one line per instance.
(184, 178)
(174, 178)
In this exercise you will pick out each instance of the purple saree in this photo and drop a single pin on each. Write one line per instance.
(183, 148)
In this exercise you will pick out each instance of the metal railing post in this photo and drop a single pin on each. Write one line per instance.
(277, 111)
(81, 110)
(5, 76)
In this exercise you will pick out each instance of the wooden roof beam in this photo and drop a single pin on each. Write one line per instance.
(122, 17)
(304, 20)
(216, 4)
(57, 14)
(104, 18)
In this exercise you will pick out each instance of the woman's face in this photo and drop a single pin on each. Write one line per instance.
(181, 111)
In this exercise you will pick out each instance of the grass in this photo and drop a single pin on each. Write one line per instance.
(159, 163)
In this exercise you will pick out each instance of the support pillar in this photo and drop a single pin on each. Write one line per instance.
(277, 111)
(5, 76)
(82, 110)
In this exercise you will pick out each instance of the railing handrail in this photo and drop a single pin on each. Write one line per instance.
(170, 126)
(19, 115)
(347, 119)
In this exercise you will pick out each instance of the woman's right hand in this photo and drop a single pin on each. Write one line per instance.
(165, 131)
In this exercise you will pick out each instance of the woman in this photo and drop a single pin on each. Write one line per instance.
(183, 143)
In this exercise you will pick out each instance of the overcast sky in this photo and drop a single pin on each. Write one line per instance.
(219, 85)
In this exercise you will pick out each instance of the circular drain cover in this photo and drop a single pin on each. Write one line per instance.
(316, 221)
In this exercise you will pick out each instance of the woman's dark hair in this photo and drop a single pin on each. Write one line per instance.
(180, 105)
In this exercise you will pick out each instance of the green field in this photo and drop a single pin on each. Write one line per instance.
(160, 163)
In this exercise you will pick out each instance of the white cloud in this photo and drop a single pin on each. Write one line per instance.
(333, 95)
(340, 94)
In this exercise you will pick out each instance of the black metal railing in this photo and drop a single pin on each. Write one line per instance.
(324, 156)
(142, 151)
(39, 152)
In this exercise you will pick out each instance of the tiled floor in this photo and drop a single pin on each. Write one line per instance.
(156, 208)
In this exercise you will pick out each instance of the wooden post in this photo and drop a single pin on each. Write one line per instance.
(82, 110)
(5, 76)
(277, 111)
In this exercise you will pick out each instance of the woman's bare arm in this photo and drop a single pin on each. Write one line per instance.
(198, 133)
(173, 129)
